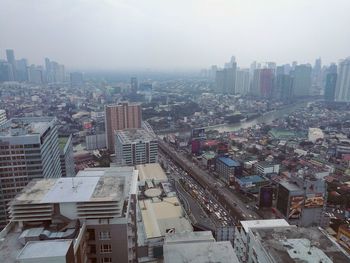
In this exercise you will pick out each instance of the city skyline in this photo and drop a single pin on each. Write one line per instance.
(174, 35)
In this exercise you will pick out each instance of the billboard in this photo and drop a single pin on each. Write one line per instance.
(265, 196)
(296, 204)
(198, 133)
(314, 201)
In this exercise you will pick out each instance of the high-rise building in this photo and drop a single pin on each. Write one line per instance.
(263, 82)
(135, 146)
(342, 90)
(284, 85)
(133, 85)
(255, 84)
(119, 117)
(10, 56)
(66, 156)
(54, 72)
(266, 82)
(22, 71)
(6, 73)
(76, 79)
(28, 149)
(220, 81)
(302, 80)
(35, 74)
(88, 218)
(242, 81)
(226, 79)
(3, 117)
(331, 82)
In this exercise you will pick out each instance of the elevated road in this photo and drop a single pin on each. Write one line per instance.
(223, 194)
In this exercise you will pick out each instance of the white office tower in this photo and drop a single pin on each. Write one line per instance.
(28, 149)
(3, 117)
(342, 89)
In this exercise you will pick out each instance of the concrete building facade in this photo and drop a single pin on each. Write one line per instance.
(66, 156)
(119, 117)
(135, 146)
(28, 149)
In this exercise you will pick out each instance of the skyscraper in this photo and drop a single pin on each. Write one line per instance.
(134, 85)
(28, 149)
(10, 56)
(119, 117)
(283, 84)
(331, 82)
(242, 81)
(266, 82)
(226, 79)
(342, 90)
(302, 80)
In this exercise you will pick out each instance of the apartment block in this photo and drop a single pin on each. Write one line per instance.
(135, 146)
(119, 117)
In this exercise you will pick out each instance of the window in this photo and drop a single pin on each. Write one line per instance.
(105, 235)
(106, 248)
(106, 260)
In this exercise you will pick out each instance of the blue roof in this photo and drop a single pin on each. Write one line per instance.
(229, 161)
(251, 178)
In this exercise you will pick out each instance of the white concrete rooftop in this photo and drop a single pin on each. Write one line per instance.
(263, 223)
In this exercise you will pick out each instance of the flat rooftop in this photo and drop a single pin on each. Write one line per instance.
(43, 249)
(298, 244)
(151, 171)
(26, 126)
(134, 136)
(200, 252)
(263, 223)
(160, 215)
(199, 236)
(290, 186)
(229, 162)
(73, 189)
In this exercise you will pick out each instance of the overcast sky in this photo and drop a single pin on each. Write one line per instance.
(174, 34)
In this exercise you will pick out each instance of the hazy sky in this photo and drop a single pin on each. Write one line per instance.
(174, 34)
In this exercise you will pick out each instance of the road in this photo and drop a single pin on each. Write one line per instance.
(193, 205)
(227, 198)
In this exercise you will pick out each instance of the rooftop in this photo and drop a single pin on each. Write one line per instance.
(151, 171)
(296, 244)
(158, 216)
(26, 126)
(134, 136)
(90, 185)
(251, 179)
(248, 224)
(200, 252)
(229, 161)
(43, 249)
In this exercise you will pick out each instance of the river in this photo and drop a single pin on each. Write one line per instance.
(266, 118)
